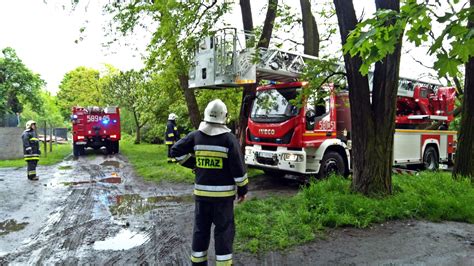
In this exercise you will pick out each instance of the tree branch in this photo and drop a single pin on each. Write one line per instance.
(207, 8)
(330, 76)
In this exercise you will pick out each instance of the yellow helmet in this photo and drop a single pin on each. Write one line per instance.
(29, 124)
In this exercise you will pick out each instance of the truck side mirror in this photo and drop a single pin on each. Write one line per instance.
(310, 119)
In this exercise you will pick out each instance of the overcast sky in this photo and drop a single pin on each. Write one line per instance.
(44, 36)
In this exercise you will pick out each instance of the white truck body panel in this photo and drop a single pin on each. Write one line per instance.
(409, 147)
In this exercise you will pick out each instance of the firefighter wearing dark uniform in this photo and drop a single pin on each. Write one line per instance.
(214, 154)
(171, 135)
(31, 149)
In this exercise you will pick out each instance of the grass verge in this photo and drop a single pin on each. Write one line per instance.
(149, 161)
(59, 153)
(277, 223)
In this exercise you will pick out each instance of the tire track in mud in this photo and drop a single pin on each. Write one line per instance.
(84, 218)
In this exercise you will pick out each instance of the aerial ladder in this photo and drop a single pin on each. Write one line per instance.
(222, 61)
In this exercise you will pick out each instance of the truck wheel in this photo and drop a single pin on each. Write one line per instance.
(430, 159)
(75, 150)
(116, 147)
(332, 163)
(109, 147)
(78, 150)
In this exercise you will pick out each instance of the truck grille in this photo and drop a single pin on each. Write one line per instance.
(286, 139)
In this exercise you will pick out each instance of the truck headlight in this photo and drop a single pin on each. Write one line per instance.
(291, 157)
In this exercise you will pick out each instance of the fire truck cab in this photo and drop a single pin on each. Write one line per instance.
(95, 127)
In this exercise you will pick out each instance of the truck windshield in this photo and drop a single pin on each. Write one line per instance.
(274, 105)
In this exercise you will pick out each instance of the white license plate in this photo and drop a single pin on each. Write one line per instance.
(265, 155)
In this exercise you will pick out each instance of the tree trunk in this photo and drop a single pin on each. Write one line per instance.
(373, 125)
(464, 165)
(191, 103)
(310, 29)
(264, 41)
(247, 96)
(138, 137)
(247, 21)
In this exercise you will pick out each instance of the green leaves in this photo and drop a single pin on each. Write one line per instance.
(375, 38)
(455, 45)
(18, 84)
(79, 87)
(447, 65)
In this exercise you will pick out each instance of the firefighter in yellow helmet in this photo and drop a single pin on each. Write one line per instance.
(171, 135)
(31, 149)
(214, 154)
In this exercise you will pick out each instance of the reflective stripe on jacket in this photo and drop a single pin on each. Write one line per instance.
(171, 134)
(218, 164)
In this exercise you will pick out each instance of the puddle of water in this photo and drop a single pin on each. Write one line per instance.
(111, 163)
(136, 204)
(125, 239)
(10, 225)
(75, 183)
(109, 180)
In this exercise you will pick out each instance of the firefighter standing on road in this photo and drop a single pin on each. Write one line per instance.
(171, 135)
(31, 149)
(215, 155)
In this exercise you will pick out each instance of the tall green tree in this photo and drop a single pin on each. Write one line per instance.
(49, 112)
(372, 114)
(130, 90)
(18, 84)
(453, 48)
(178, 25)
(79, 87)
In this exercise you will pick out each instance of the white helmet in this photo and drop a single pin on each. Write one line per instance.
(29, 123)
(172, 116)
(215, 112)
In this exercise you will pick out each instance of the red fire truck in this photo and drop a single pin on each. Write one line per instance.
(314, 139)
(95, 127)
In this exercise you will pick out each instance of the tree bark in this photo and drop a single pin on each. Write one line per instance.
(464, 165)
(310, 29)
(264, 41)
(373, 125)
(191, 103)
(138, 137)
(247, 20)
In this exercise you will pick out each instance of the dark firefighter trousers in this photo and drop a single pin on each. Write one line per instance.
(31, 168)
(170, 159)
(221, 214)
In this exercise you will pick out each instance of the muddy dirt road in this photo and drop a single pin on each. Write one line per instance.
(92, 210)
(95, 210)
